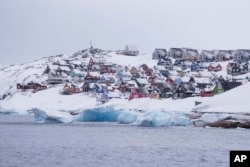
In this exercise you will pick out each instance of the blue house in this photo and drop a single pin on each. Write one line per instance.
(119, 75)
(178, 80)
(97, 89)
(194, 66)
(101, 99)
(164, 73)
(102, 79)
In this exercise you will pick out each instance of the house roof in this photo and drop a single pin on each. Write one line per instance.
(191, 51)
(78, 71)
(96, 74)
(114, 94)
(176, 50)
(188, 87)
(160, 51)
(214, 64)
(202, 80)
(142, 90)
(208, 53)
(132, 82)
(142, 81)
(225, 53)
(65, 68)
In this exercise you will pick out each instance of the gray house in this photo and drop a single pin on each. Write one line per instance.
(176, 53)
(222, 55)
(190, 54)
(207, 56)
(242, 55)
(159, 54)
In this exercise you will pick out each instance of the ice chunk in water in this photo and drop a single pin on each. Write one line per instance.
(41, 116)
(100, 114)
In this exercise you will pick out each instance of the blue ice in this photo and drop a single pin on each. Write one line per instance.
(100, 114)
(159, 119)
(151, 119)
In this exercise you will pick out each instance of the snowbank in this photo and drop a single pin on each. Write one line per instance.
(51, 116)
(232, 101)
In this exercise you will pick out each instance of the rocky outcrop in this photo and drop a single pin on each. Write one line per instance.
(230, 124)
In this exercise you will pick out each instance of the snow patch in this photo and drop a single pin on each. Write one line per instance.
(50, 116)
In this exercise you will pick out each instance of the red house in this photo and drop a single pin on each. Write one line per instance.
(93, 77)
(148, 72)
(107, 69)
(215, 68)
(138, 93)
(207, 93)
(170, 80)
(35, 86)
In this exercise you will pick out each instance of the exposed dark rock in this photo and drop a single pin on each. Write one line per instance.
(230, 124)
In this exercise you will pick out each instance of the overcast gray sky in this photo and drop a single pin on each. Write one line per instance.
(31, 29)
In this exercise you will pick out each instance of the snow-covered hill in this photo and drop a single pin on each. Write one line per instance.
(233, 101)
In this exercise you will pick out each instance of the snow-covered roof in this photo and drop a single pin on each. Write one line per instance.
(78, 71)
(65, 68)
(142, 81)
(132, 82)
(160, 51)
(202, 80)
(185, 79)
(161, 68)
(96, 74)
(208, 54)
(114, 94)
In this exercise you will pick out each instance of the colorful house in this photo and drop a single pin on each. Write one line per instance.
(92, 77)
(214, 67)
(154, 94)
(35, 86)
(133, 70)
(184, 90)
(138, 93)
(194, 66)
(102, 98)
(218, 88)
(76, 73)
(68, 90)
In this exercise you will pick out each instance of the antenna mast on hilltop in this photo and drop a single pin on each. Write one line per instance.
(91, 44)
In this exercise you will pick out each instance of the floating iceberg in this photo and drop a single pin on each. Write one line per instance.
(100, 114)
(159, 118)
(214, 117)
(41, 116)
(127, 117)
(151, 119)
(110, 114)
(210, 118)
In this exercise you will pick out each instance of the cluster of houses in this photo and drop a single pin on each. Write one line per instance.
(239, 55)
(91, 74)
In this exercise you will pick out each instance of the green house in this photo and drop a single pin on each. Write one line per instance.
(218, 88)
(76, 73)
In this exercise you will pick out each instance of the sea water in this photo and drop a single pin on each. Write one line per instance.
(90, 144)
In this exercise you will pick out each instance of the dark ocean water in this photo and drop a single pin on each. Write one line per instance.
(23, 143)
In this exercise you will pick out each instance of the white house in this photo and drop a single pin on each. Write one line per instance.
(131, 50)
